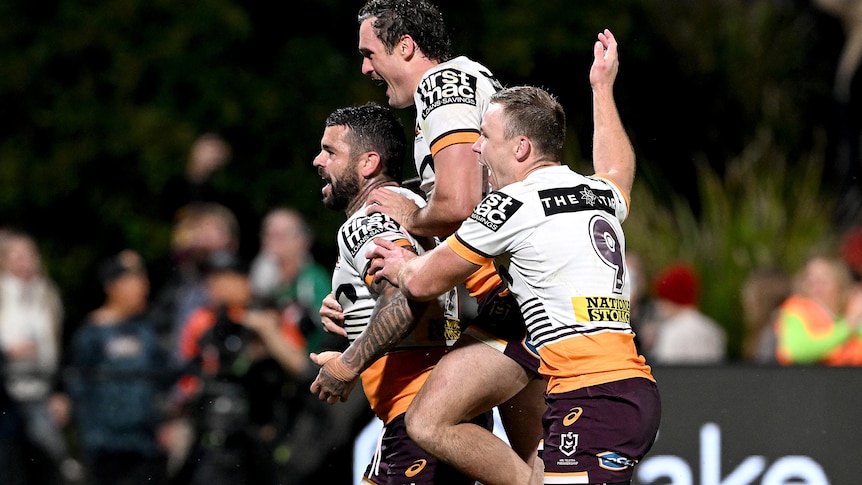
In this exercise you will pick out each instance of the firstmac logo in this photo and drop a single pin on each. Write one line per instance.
(495, 210)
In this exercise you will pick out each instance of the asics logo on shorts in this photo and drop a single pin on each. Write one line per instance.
(415, 468)
(573, 416)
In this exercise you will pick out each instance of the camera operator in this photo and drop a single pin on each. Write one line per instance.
(242, 359)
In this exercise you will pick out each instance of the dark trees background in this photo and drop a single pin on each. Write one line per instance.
(102, 100)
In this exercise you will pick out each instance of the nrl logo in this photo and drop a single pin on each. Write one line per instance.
(568, 443)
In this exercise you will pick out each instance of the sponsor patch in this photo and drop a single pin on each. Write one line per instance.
(445, 87)
(495, 210)
(576, 199)
(356, 232)
(602, 309)
(614, 461)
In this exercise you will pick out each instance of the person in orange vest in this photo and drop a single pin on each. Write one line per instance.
(814, 325)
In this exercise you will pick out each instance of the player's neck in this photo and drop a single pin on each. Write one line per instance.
(362, 197)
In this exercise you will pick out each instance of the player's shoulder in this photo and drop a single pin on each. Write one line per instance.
(410, 194)
(459, 70)
(363, 226)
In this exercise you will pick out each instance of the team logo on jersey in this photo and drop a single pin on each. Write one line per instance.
(614, 461)
(447, 86)
(576, 199)
(568, 443)
(358, 231)
(495, 210)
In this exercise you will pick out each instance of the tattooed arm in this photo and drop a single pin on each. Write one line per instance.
(391, 320)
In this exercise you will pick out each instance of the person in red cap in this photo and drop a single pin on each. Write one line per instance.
(684, 334)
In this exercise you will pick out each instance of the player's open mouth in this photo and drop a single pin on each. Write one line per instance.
(327, 182)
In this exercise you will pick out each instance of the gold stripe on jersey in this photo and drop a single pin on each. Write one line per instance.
(588, 360)
(485, 278)
(621, 191)
(567, 478)
(391, 383)
(482, 281)
(453, 138)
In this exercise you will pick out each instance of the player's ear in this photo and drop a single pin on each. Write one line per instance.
(406, 47)
(522, 147)
(370, 165)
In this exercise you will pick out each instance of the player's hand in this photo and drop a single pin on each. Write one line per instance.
(332, 316)
(605, 60)
(387, 259)
(331, 385)
(395, 205)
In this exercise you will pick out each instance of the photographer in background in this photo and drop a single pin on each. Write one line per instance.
(117, 376)
(242, 358)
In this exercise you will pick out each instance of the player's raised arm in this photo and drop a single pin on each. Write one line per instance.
(613, 155)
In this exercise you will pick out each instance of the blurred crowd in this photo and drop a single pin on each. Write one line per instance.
(204, 379)
(812, 315)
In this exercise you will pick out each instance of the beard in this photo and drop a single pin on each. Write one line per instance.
(342, 192)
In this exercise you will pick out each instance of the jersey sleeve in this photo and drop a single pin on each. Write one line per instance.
(622, 202)
(452, 100)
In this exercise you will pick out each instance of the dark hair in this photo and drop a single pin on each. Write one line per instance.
(419, 19)
(125, 262)
(374, 128)
(536, 114)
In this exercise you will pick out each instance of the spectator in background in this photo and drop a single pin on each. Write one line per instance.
(820, 323)
(209, 154)
(851, 252)
(286, 272)
(684, 335)
(642, 306)
(200, 230)
(242, 361)
(12, 437)
(762, 293)
(31, 319)
(118, 373)
(208, 179)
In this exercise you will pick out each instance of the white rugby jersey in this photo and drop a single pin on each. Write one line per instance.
(450, 101)
(349, 284)
(392, 381)
(557, 240)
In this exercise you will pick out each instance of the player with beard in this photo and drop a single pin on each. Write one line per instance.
(362, 149)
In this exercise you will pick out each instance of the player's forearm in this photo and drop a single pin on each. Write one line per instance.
(390, 322)
(432, 274)
(612, 150)
(438, 218)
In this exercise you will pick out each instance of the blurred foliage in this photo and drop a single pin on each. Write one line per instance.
(102, 101)
(758, 214)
